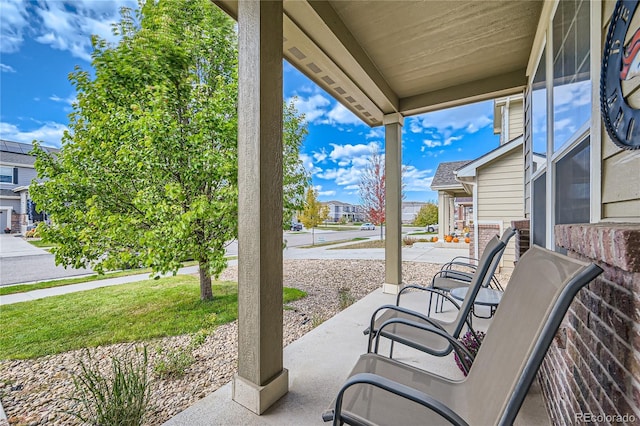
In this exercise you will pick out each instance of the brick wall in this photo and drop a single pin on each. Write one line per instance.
(522, 236)
(485, 232)
(593, 366)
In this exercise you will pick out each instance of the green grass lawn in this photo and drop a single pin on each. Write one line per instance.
(330, 243)
(21, 288)
(39, 243)
(129, 312)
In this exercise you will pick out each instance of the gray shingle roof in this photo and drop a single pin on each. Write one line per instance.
(444, 174)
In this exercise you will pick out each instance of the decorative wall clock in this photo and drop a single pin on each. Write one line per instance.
(620, 63)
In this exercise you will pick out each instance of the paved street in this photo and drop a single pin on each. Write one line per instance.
(21, 262)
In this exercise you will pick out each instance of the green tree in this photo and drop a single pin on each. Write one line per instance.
(313, 213)
(295, 177)
(147, 174)
(372, 189)
(428, 215)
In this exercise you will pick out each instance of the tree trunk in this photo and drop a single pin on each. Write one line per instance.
(381, 235)
(206, 291)
(313, 236)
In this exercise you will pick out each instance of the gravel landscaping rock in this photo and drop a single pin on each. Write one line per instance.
(38, 391)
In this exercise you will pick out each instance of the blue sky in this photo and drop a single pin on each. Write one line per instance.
(42, 42)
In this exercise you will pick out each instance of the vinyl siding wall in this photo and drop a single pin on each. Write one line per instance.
(516, 120)
(501, 195)
(620, 168)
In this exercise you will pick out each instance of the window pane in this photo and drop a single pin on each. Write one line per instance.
(539, 215)
(6, 175)
(539, 108)
(573, 186)
(571, 79)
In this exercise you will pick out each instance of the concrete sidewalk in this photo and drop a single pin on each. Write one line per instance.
(12, 245)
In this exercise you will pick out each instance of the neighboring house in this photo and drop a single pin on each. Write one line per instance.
(17, 171)
(508, 117)
(449, 190)
(496, 182)
(339, 211)
(410, 210)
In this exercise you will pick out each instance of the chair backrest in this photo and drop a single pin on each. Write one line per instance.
(506, 236)
(491, 252)
(534, 303)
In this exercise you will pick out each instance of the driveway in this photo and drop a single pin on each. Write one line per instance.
(21, 262)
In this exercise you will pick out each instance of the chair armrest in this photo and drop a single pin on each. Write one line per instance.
(467, 258)
(395, 388)
(428, 289)
(463, 353)
(396, 308)
(447, 266)
(451, 273)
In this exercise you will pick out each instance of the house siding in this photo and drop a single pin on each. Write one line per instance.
(516, 120)
(620, 168)
(528, 155)
(500, 196)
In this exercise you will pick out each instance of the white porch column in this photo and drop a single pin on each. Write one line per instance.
(443, 214)
(393, 202)
(23, 212)
(452, 218)
(261, 378)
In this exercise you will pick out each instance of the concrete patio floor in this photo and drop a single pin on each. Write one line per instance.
(319, 363)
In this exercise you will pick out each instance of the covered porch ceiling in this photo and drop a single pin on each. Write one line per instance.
(409, 57)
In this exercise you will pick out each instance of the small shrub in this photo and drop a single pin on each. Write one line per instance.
(345, 297)
(316, 320)
(32, 233)
(408, 241)
(472, 345)
(173, 363)
(119, 398)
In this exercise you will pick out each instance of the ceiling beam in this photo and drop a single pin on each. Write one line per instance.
(462, 94)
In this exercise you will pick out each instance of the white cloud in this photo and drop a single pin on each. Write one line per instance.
(451, 139)
(313, 107)
(342, 176)
(63, 25)
(326, 193)
(348, 151)
(416, 180)
(377, 133)
(308, 164)
(351, 187)
(320, 156)
(414, 126)
(340, 115)
(50, 133)
(445, 123)
(6, 68)
(431, 144)
(14, 22)
(69, 100)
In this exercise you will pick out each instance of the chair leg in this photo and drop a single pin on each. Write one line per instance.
(430, 298)
(391, 350)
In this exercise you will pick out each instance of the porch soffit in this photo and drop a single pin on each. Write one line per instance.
(380, 57)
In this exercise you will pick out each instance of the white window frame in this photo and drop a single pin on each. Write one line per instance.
(591, 128)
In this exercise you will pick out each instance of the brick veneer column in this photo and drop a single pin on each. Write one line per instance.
(593, 365)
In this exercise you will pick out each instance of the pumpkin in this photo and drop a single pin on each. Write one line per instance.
(467, 240)
(456, 240)
(448, 238)
(434, 239)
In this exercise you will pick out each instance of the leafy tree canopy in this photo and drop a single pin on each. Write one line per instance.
(147, 174)
(314, 212)
(428, 215)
